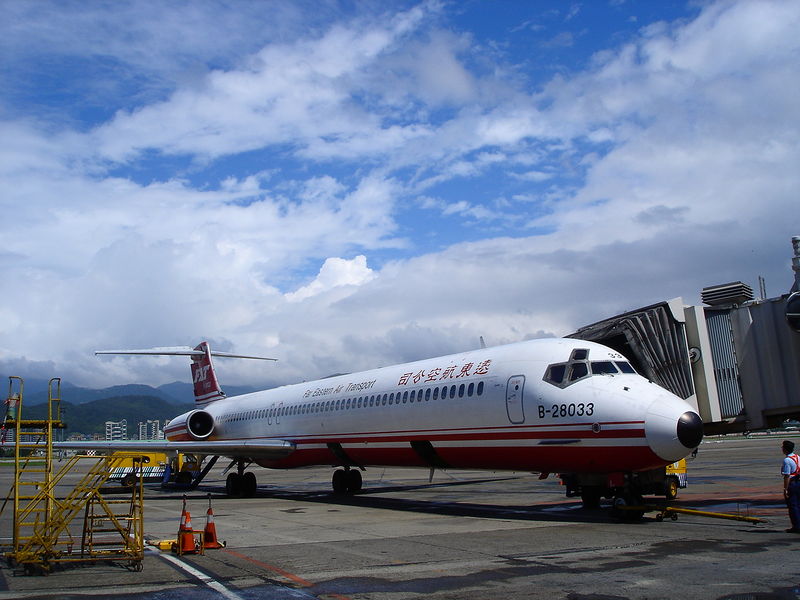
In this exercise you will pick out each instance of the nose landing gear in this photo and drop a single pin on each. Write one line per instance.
(628, 506)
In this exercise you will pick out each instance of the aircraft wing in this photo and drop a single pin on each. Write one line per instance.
(268, 448)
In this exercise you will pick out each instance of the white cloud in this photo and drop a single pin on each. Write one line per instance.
(668, 164)
(294, 93)
(335, 273)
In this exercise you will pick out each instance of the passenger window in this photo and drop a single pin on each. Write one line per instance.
(470, 389)
(452, 392)
(436, 393)
(405, 397)
(480, 388)
(625, 367)
(427, 394)
(385, 396)
(461, 390)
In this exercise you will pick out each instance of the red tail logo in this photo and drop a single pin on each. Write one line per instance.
(206, 386)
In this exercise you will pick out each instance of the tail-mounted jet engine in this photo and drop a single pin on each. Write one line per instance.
(194, 425)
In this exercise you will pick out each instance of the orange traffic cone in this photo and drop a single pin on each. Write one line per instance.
(210, 532)
(185, 533)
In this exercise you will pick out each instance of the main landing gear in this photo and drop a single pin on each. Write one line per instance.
(241, 484)
(346, 481)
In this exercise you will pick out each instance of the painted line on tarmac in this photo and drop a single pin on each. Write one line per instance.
(205, 579)
(281, 572)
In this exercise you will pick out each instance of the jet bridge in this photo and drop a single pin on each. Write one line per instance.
(654, 339)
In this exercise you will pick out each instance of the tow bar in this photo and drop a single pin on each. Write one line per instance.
(672, 513)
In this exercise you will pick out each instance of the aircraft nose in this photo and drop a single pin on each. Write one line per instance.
(690, 429)
(672, 427)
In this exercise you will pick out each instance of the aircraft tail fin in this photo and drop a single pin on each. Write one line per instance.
(204, 378)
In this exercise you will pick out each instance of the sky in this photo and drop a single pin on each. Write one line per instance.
(343, 185)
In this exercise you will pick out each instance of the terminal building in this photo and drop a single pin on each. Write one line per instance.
(736, 358)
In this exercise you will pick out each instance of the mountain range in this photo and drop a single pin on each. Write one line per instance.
(86, 410)
(177, 392)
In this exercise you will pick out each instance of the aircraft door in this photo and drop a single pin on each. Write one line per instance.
(514, 395)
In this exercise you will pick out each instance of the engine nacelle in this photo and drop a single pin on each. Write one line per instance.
(192, 426)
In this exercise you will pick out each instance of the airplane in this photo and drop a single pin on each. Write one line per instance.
(555, 405)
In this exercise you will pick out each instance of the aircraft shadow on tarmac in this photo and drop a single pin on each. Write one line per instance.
(568, 510)
(369, 498)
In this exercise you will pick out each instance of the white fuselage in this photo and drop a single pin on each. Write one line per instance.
(551, 405)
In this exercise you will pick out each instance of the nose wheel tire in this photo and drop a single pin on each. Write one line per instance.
(628, 507)
(590, 497)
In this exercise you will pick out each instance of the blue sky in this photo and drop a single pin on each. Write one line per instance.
(345, 185)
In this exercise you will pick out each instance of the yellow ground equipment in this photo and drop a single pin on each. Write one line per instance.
(112, 524)
(150, 466)
(33, 458)
(674, 478)
(672, 512)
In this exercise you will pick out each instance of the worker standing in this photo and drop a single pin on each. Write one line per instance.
(791, 484)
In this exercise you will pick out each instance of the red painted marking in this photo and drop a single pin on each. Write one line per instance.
(282, 572)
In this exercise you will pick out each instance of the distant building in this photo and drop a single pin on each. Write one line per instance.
(150, 430)
(9, 436)
(116, 430)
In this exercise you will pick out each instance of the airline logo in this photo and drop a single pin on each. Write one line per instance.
(201, 373)
(450, 372)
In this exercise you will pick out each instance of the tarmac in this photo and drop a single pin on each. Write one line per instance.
(464, 535)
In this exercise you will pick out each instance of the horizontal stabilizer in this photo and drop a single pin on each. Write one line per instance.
(206, 386)
(180, 351)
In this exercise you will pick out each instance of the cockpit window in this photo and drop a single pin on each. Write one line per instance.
(578, 371)
(579, 367)
(555, 373)
(603, 367)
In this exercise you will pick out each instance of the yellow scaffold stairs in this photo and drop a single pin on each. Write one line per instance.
(113, 525)
(33, 458)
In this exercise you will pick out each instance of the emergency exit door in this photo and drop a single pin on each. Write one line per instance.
(514, 394)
